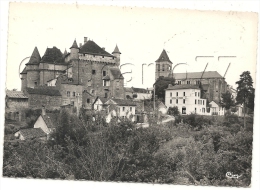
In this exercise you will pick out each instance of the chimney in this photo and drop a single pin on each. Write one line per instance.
(103, 48)
(85, 39)
(80, 45)
(43, 110)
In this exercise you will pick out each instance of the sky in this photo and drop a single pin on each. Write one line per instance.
(140, 33)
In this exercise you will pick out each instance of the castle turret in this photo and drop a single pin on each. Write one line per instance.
(163, 66)
(74, 50)
(32, 69)
(117, 53)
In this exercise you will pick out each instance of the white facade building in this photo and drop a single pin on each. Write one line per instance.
(187, 98)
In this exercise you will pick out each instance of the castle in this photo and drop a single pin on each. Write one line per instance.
(73, 78)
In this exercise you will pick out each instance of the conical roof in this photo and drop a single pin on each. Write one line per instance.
(74, 45)
(163, 57)
(116, 50)
(35, 57)
(24, 71)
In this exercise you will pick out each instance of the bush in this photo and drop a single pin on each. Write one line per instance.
(173, 111)
(197, 122)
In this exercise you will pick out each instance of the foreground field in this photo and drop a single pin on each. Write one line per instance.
(194, 150)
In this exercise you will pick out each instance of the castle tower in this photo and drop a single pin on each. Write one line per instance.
(74, 50)
(163, 65)
(32, 69)
(117, 53)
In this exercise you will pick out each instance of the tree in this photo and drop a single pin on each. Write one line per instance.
(160, 85)
(173, 111)
(227, 100)
(245, 91)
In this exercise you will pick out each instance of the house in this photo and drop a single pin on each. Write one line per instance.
(31, 133)
(216, 109)
(120, 108)
(99, 104)
(187, 98)
(47, 122)
(15, 102)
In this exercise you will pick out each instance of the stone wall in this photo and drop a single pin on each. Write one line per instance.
(36, 101)
(162, 69)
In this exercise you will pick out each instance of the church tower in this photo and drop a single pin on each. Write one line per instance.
(117, 53)
(163, 66)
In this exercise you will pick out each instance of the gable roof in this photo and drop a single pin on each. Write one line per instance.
(197, 75)
(35, 57)
(32, 133)
(44, 90)
(103, 100)
(116, 73)
(116, 50)
(163, 57)
(182, 86)
(15, 94)
(121, 102)
(50, 120)
(53, 55)
(90, 47)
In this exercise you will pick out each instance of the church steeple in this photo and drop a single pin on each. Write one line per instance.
(163, 65)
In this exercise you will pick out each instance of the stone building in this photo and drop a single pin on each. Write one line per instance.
(211, 82)
(138, 93)
(163, 65)
(47, 96)
(86, 72)
(16, 102)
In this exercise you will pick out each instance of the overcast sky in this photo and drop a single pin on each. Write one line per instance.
(140, 33)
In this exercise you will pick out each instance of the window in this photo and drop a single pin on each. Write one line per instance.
(183, 110)
(179, 82)
(130, 108)
(203, 102)
(89, 82)
(176, 93)
(104, 82)
(104, 73)
(123, 108)
(195, 110)
(176, 101)
(35, 83)
(198, 94)
(72, 103)
(105, 94)
(88, 100)
(188, 82)
(158, 67)
(170, 94)
(74, 94)
(195, 93)
(92, 91)
(170, 101)
(183, 93)
(184, 101)
(93, 72)
(68, 93)
(163, 67)
(195, 101)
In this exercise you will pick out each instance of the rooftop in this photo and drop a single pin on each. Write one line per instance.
(163, 57)
(50, 119)
(32, 133)
(15, 94)
(121, 102)
(90, 47)
(182, 86)
(35, 57)
(53, 55)
(197, 75)
(44, 90)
